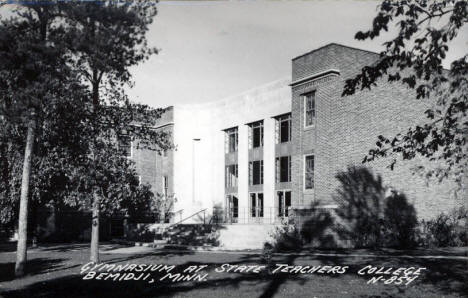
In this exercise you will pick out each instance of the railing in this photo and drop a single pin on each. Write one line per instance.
(266, 215)
(188, 217)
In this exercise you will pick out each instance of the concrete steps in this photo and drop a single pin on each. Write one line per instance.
(245, 236)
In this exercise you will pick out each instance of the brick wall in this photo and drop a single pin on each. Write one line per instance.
(347, 127)
(153, 166)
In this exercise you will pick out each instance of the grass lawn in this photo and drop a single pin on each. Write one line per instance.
(54, 271)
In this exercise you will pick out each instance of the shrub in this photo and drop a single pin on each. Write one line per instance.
(141, 233)
(286, 238)
(446, 229)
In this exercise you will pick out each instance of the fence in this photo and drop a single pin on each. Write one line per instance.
(266, 215)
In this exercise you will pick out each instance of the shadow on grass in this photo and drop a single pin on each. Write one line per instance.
(442, 278)
(34, 266)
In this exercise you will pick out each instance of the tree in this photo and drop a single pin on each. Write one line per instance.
(33, 74)
(414, 57)
(107, 38)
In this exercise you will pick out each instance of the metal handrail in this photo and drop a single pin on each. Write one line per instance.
(182, 220)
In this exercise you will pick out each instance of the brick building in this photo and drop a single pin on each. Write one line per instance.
(257, 155)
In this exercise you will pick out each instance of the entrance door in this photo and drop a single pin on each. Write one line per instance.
(232, 206)
(256, 206)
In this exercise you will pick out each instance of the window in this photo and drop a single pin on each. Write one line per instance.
(256, 135)
(309, 109)
(283, 129)
(283, 169)
(233, 207)
(125, 145)
(309, 172)
(165, 185)
(231, 140)
(231, 176)
(256, 204)
(256, 172)
(284, 202)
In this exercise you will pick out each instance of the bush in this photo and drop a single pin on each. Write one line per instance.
(286, 238)
(141, 233)
(447, 229)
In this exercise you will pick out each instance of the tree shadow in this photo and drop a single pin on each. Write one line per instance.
(75, 286)
(34, 267)
(370, 214)
(445, 278)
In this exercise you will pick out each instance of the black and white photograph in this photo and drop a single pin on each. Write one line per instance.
(243, 148)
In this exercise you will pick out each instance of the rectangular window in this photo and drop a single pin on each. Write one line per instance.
(256, 135)
(231, 176)
(283, 129)
(256, 172)
(233, 207)
(284, 202)
(165, 186)
(125, 145)
(309, 172)
(283, 169)
(256, 204)
(309, 109)
(232, 140)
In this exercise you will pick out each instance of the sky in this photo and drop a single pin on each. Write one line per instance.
(210, 50)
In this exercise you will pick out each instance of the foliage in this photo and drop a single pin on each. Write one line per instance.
(446, 229)
(285, 238)
(141, 233)
(414, 57)
(36, 83)
(74, 82)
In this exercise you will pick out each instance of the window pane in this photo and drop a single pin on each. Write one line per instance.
(309, 172)
(253, 204)
(256, 130)
(285, 131)
(256, 137)
(309, 109)
(280, 203)
(287, 203)
(235, 207)
(260, 204)
(284, 169)
(261, 172)
(256, 173)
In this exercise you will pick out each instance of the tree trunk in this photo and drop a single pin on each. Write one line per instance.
(95, 230)
(23, 212)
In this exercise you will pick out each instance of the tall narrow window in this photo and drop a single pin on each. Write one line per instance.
(231, 176)
(309, 172)
(284, 202)
(283, 169)
(283, 127)
(232, 140)
(256, 135)
(256, 204)
(256, 172)
(165, 186)
(309, 109)
(232, 208)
